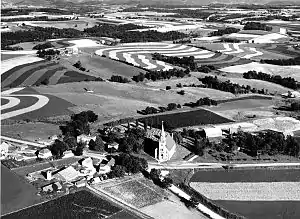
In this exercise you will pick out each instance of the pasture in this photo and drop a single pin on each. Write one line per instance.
(15, 192)
(9, 56)
(82, 204)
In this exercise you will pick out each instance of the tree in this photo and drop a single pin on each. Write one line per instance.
(117, 171)
(57, 148)
(168, 87)
(79, 149)
(198, 147)
(45, 81)
(177, 137)
(70, 141)
(99, 145)
(172, 106)
(92, 144)
(166, 182)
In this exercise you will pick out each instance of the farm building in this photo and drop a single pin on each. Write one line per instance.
(80, 183)
(4, 149)
(87, 163)
(68, 174)
(211, 132)
(160, 144)
(44, 153)
(112, 146)
(109, 41)
(67, 154)
(105, 166)
(85, 139)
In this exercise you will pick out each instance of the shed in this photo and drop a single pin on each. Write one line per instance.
(44, 153)
(68, 174)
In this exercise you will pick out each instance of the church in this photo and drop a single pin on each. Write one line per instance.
(160, 144)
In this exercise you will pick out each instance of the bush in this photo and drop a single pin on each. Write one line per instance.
(168, 87)
(182, 92)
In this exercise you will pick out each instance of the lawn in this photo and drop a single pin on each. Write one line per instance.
(15, 192)
(82, 204)
(184, 119)
(135, 193)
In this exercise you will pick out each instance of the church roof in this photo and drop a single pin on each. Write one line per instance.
(155, 134)
(169, 142)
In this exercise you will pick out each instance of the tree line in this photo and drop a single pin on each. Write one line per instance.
(222, 32)
(228, 86)
(284, 62)
(159, 75)
(257, 26)
(277, 79)
(41, 18)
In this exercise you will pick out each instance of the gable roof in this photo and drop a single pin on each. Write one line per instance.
(169, 142)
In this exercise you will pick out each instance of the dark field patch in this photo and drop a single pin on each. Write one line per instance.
(9, 56)
(264, 209)
(191, 118)
(4, 101)
(82, 204)
(48, 74)
(74, 76)
(258, 175)
(15, 192)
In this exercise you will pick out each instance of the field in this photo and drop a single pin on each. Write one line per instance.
(134, 192)
(252, 51)
(270, 194)
(26, 103)
(103, 67)
(139, 54)
(82, 204)
(283, 71)
(9, 56)
(34, 73)
(15, 192)
(191, 118)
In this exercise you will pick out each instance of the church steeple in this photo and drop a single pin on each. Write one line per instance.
(162, 129)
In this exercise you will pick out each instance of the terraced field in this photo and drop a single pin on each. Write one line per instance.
(253, 51)
(139, 54)
(255, 194)
(31, 74)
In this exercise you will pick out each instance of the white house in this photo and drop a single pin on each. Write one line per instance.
(88, 163)
(44, 153)
(85, 139)
(68, 174)
(4, 150)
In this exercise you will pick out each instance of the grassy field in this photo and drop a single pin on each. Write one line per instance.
(103, 67)
(9, 56)
(191, 118)
(82, 204)
(30, 131)
(15, 192)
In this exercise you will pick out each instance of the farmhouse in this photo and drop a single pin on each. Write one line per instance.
(85, 139)
(4, 150)
(160, 144)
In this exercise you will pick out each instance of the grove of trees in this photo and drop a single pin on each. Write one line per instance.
(284, 62)
(277, 79)
(159, 75)
(222, 32)
(257, 26)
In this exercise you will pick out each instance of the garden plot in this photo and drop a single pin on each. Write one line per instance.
(283, 71)
(243, 191)
(139, 54)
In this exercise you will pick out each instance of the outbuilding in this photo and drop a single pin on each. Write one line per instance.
(211, 132)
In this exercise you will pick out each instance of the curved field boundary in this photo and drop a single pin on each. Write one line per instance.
(12, 102)
(139, 54)
(14, 62)
(257, 53)
(19, 80)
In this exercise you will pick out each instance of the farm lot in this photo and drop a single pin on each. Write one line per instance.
(134, 192)
(103, 67)
(15, 192)
(185, 119)
(82, 204)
